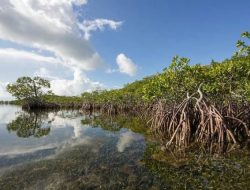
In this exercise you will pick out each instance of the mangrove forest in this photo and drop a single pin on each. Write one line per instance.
(186, 103)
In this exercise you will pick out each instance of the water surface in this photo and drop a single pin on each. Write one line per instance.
(73, 150)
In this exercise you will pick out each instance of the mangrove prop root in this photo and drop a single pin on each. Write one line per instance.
(198, 120)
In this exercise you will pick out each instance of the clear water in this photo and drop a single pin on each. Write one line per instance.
(71, 150)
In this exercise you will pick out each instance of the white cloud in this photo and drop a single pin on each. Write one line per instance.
(13, 55)
(49, 25)
(44, 73)
(41, 66)
(15, 63)
(80, 2)
(76, 86)
(98, 24)
(126, 65)
(18, 63)
(4, 95)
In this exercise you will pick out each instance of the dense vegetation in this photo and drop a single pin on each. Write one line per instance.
(220, 82)
(208, 104)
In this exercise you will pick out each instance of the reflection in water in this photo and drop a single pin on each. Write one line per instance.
(126, 139)
(72, 155)
(67, 118)
(8, 113)
(69, 150)
(46, 134)
(29, 124)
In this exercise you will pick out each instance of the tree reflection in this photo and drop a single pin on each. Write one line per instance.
(116, 122)
(29, 124)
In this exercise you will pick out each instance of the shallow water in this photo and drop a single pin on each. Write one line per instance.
(73, 150)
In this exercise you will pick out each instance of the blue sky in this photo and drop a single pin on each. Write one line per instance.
(132, 39)
(155, 31)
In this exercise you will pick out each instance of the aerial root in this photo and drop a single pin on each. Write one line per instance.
(197, 120)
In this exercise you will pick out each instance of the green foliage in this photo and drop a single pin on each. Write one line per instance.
(62, 99)
(244, 50)
(221, 82)
(29, 88)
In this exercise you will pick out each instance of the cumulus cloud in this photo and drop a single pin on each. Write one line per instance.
(4, 95)
(80, 83)
(70, 87)
(80, 2)
(9, 55)
(18, 59)
(126, 65)
(45, 73)
(15, 63)
(89, 26)
(49, 25)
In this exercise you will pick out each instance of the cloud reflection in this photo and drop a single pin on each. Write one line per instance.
(127, 139)
(8, 113)
(65, 133)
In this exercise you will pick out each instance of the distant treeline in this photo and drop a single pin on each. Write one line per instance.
(4, 102)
